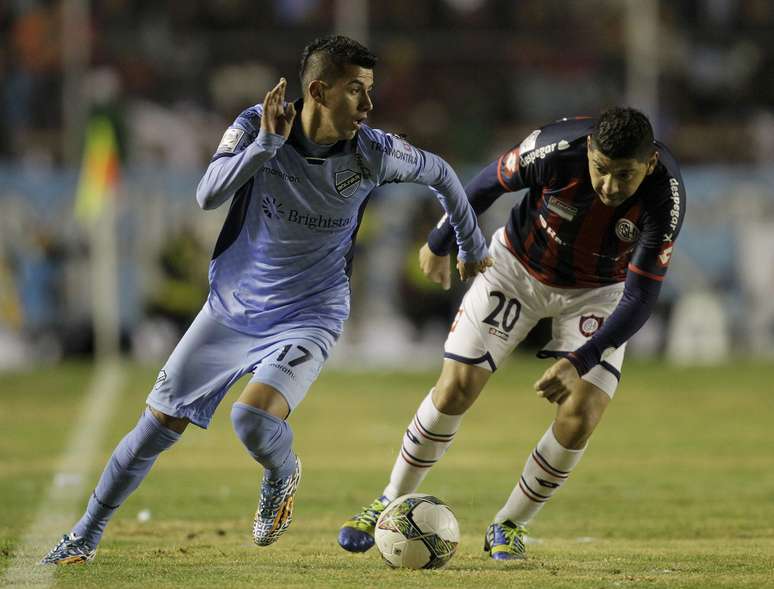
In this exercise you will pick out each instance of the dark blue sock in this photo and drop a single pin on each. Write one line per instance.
(127, 467)
(268, 439)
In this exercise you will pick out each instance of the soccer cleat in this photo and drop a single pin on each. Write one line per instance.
(505, 541)
(357, 534)
(275, 507)
(71, 549)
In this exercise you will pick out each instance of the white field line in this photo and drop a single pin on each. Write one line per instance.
(67, 494)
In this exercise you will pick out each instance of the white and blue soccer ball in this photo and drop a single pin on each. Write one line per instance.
(417, 531)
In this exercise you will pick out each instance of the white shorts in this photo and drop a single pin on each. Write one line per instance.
(211, 357)
(504, 303)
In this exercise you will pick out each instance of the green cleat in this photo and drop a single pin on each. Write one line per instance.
(357, 534)
(505, 541)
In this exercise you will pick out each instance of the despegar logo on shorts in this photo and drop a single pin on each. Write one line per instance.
(590, 324)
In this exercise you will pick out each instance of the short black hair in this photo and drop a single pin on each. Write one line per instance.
(326, 57)
(623, 133)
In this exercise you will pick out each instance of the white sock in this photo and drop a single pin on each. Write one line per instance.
(427, 438)
(547, 467)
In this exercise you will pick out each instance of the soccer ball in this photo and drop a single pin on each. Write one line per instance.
(417, 532)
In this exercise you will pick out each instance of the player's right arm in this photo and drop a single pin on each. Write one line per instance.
(245, 147)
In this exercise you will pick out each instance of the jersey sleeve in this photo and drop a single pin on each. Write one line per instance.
(662, 225)
(506, 174)
(402, 162)
(241, 152)
(241, 133)
(482, 192)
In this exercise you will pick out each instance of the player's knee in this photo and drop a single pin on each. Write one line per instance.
(265, 436)
(575, 422)
(176, 424)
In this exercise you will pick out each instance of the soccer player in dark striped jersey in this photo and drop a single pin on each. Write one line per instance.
(588, 245)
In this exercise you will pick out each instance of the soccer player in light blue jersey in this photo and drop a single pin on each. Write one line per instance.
(298, 176)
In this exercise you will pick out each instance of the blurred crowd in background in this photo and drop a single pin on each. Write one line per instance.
(464, 78)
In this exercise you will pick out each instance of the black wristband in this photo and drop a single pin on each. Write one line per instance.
(441, 240)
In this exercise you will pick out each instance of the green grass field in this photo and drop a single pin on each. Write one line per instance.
(676, 490)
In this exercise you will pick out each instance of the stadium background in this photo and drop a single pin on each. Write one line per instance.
(678, 489)
(464, 78)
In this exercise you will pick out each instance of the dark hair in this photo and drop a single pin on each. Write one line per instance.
(622, 132)
(325, 58)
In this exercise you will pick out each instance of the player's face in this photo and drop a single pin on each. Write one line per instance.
(615, 180)
(348, 101)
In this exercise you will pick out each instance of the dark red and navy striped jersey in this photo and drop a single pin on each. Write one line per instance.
(566, 237)
(563, 233)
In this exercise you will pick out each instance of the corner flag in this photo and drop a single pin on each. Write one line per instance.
(99, 169)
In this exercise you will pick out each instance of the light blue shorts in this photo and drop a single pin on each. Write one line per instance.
(211, 357)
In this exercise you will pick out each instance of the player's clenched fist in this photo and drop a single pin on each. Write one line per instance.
(470, 269)
(277, 116)
(557, 382)
(436, 268)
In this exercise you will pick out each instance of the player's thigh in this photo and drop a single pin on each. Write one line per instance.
(582, 315)
(497, 312)
(292, 362)
(206, 362)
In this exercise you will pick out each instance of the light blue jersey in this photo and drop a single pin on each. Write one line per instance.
(284, 254)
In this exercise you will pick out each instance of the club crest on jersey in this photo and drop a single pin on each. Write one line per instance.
(590, 324)
(626, 230)
(347, 182)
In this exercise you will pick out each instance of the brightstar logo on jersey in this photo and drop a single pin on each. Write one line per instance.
(347, 182)
(272, 208)
(318, 221)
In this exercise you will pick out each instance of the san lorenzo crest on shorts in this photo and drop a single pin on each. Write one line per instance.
(347, 182)
(590, 324)
(626, 230)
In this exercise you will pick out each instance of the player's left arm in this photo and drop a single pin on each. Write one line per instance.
(645, 275)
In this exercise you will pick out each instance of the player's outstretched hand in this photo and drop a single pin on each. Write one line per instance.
(558, 381)
(470, 269)
(436, 268)
(277, 117)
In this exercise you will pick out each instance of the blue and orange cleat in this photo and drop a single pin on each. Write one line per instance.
(275, 507)
(71, 549)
